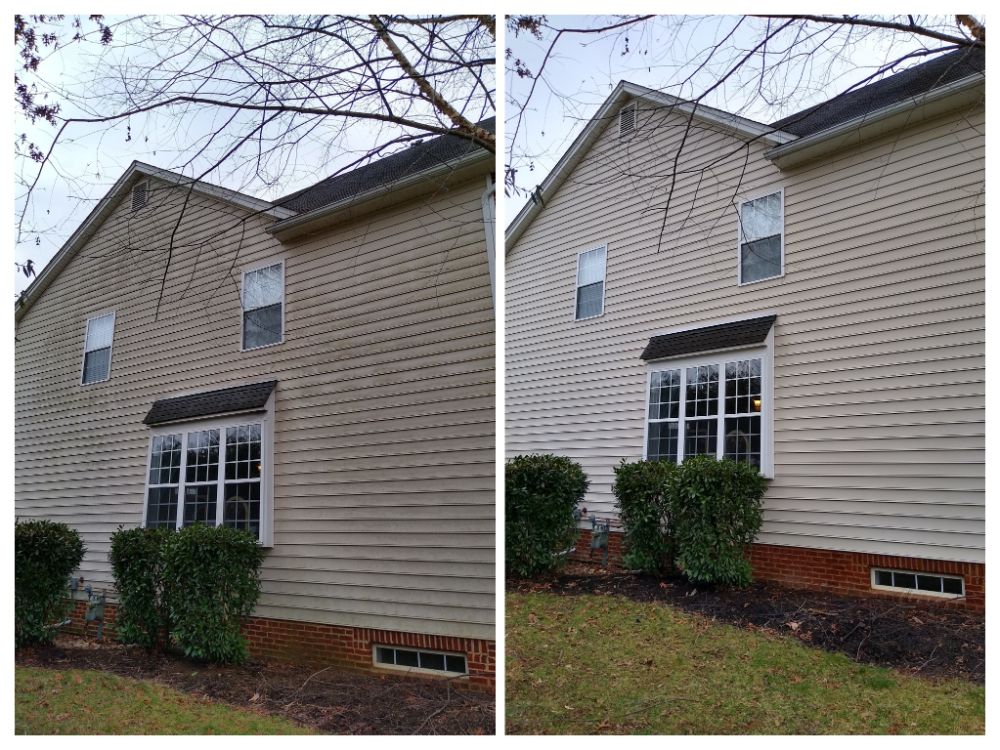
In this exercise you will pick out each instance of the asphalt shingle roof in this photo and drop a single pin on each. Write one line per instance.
(385, 171)
(907, 84)
(709, 338)
(223, 401)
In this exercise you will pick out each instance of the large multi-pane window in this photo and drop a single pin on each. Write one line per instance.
(714, 408)
(263, 306)
(210, 474)
(762, 228)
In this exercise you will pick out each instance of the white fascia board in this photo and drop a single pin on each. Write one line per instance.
(952, 96)
(474, 163)
(135, 172)
(738, 126)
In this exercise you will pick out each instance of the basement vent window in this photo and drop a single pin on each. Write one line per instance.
(431, 661)
(626, 120)
(918, 583)
(139, 195)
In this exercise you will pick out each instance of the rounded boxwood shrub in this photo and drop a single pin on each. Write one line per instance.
(45, 555)
(211, 580)
(542, 493)
(642, 494)
(137, 558)
(715, 513)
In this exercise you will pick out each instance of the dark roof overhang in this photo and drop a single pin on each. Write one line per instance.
(739, 333)
(238, 399)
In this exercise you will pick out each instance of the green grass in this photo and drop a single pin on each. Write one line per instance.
(48, 701)
(609, 665)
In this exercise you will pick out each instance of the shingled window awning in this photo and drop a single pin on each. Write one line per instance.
(239, 399)
(733, 335)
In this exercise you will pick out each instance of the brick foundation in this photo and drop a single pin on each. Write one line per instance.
(828, 570)
(312, 643)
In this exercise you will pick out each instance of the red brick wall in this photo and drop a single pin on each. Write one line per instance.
(829, 570)
(311, 643)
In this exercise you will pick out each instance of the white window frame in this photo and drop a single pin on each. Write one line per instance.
(739, 234)
(266, 475)
(243, 280)
(111, 349)
(764, 352)
(418, 670)
(917, 592)
(604, 281)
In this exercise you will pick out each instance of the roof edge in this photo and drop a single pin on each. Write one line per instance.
(100, 212)
(370, 200)
(873, 124)
(623, 91)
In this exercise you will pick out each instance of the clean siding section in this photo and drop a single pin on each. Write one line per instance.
(879, 376)
(384, 411)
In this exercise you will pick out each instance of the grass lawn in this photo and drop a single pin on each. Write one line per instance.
(609, 665)
(49, 701)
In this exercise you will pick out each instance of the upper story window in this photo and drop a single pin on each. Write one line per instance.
(97, 348)
(263, 306)
(762, 237)
(210, 473)
(590, 270)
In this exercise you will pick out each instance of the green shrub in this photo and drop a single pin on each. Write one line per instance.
(137, 563)
(715, 512)
(45, 555)
(211, 580)
(542, 493)
(642, 494)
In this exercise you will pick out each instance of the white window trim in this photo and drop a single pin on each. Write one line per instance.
(111, 349)
(418, 670)
(266, 422)
(243, 279)
(764, 352)
(604, 282)
(917, 592)
(739, 235)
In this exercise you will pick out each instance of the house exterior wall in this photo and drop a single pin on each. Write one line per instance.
(383, 413)
(878, 344)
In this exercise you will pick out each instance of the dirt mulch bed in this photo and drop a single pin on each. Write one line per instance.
(909, 636)
(331, 700)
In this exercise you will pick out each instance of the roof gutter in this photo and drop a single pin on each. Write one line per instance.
(471, 164)
(625, 90)
(872, 125)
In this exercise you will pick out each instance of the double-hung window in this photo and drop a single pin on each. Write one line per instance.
(762, 237)
(712, 405)
(263, 300)
(97, 349)
(214, 474)
(590, 271)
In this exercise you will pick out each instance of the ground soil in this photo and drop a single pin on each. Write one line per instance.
(331, 700)
(910, 636)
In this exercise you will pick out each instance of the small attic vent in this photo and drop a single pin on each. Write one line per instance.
(626, 119)
(139, 196)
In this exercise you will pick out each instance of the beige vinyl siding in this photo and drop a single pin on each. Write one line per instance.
(879, 374)
(383, 422)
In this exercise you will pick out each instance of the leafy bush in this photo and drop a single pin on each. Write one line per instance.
(137, 563)
(542, 493)
(642, 495)
(45, 555)
(715, 512)
(211, 580)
